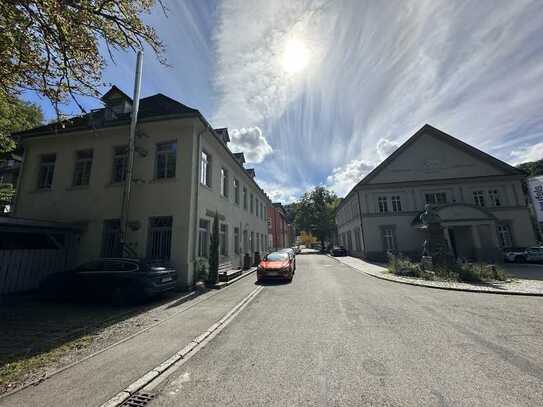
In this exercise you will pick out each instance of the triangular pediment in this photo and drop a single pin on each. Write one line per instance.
(431, 154)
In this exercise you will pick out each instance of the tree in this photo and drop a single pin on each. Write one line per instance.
(52, 46)
(15, 115)
(307, 238)
(213, 275)
(532, 168)
(316, 213)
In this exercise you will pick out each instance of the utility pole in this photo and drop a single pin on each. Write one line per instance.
(130, 160)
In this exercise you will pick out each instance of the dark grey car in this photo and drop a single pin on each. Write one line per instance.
(121, 280)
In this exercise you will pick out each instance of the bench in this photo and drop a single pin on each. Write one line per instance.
(227, 273)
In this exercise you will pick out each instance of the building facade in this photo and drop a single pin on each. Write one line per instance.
(278, 226)
(184, 173)
(478, 198)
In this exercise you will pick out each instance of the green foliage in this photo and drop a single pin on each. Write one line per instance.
(16, 115)
(532, 169)
(213, 274)
(469, 273)
(315, 213)
(52, 47)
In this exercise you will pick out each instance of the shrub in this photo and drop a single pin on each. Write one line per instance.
(402, 266)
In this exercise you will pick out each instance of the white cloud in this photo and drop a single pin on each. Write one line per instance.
(344, 178)
(527, 153)
(251, 142)
(281, 192)
(386, 147)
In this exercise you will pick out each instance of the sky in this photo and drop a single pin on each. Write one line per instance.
(319, 92)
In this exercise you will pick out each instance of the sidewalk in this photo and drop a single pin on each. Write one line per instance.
(514, 287)
(94, 380)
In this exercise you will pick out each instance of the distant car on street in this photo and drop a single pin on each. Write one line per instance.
(120, 280)
(339, 251)
(276, 265)
(529, 255)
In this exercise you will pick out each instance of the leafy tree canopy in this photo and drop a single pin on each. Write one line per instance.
(16, 115)
(52, 46)
(315, 213)
(532, 168)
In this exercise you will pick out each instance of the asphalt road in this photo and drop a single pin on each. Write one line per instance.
(336, 337)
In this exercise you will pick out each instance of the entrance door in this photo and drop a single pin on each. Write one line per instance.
(452, 239)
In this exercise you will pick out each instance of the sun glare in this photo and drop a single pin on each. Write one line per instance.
(295, 56)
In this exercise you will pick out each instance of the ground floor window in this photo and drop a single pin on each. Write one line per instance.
(389, 240)
(257, 242)
(236, 240)
(111, 238)
(160, 237)
(504, 235)
(349, 241)
(223, 240)
(203, 238)
(252, 242)
(357, 239)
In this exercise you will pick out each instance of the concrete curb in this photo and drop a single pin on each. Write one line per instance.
(223, 284)
(146, 379)
(468, 290)
(193, 293)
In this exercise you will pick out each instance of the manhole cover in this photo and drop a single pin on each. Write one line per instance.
(139, 400)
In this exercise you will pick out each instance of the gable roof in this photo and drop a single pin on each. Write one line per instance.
(155, 106)
(111, 92)
(428, 129)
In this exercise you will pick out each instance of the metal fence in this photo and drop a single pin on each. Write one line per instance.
(24, 269)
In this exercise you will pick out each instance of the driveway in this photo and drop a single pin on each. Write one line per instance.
(335, 337)
(524, 271)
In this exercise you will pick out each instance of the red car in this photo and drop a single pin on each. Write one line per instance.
(276, 265)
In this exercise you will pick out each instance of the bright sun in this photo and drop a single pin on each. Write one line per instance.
(295, 56)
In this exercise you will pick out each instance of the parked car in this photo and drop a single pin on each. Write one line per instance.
(276, 265)
(292, 253)
(520, 255)
(120, 280)
(338, 251)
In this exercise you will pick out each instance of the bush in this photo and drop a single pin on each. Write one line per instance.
(402, 266)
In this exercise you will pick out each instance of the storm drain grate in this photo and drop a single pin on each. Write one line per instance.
(138, 400)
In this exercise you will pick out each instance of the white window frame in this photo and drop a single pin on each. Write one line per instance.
(120, 162)
(494, 197)
(236, 191)
(389, 239)
(382, 204)
(46, 171)
(82, 167)
(224, 182)
(479, 198)
(505, 235)
(396, 201)
(205, 169)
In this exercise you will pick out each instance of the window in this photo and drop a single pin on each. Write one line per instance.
(261, 211)
(224, 182)
(504, 235)
(383, 204)
(479, 198)
(349, 241)
(83, 165)
(205, 169)
(436, 198)
(389, 239)
(111, 238)
(252, 203)
(257, 206)
(223, 240)
(252, 242)
(357, 239)
(160, 237)
(166, 154)
(120, 161)
(262, 244)
(236, 191)
(47, 169)
(203, 238)
(396, 203)
(257, 242)
(245, 198)
(246, 241)
(494, 197)
(236, 240)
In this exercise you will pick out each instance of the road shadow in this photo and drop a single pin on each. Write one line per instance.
(272, 282)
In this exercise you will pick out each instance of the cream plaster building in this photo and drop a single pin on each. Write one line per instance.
(479, 199)
(183, 173)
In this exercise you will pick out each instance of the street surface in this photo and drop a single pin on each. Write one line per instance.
(335, 337)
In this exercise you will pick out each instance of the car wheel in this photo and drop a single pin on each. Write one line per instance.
(520, 259)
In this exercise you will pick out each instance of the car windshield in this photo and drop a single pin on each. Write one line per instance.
(278, 256)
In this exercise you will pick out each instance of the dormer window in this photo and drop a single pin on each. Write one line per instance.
(117, 103)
